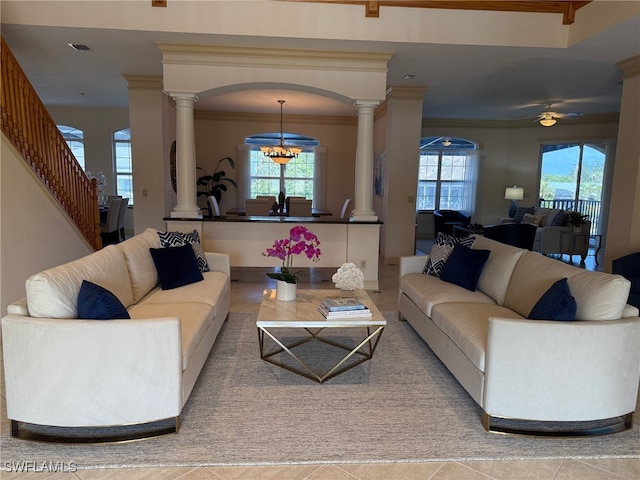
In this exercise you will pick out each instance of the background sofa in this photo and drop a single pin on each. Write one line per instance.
(529, 369)
(553, 235)
(68, 372)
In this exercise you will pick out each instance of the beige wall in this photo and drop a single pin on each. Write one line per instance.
(35, 233)
(511, 156)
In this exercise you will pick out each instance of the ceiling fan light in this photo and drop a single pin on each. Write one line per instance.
(547, 122)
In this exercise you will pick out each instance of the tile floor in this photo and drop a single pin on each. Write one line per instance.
(247, 286)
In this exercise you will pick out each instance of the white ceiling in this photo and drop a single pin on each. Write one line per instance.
(463, 82)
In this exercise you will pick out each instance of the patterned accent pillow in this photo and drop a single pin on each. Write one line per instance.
(532, 219)
(178, 239)
(442, 247)
(520, 213)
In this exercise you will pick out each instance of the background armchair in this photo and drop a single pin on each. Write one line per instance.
(629, 267)
(444, 220)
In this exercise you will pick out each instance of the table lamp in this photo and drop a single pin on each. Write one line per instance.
(513, 193)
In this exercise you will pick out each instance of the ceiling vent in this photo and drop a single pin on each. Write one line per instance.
(79, 47)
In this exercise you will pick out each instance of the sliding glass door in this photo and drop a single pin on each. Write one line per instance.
(572, 177)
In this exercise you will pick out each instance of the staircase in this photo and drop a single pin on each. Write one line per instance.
(29, 127)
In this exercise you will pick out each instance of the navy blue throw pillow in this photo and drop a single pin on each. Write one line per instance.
(98, 303)
(557, 303)
(176, 266)
(464, 266)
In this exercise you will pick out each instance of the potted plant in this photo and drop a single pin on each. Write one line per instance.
(216, 183)
(576, 220)
(301, 241)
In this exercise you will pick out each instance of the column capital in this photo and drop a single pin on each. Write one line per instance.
(184, 98)
(363, 105)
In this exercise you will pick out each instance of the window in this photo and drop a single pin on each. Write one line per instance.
(571, 178)
(122, 162)
(296, 178)
(75, 141)
(447, 174)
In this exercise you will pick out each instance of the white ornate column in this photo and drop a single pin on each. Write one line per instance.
(363, 211)
(187, 206)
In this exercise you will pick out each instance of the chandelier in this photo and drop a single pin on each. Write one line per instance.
(279, 153)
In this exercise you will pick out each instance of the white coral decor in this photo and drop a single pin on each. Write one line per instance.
(348, 277)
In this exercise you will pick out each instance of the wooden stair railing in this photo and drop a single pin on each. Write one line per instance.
(28, 125)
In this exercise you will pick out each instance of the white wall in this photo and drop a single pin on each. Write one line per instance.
(35, 233)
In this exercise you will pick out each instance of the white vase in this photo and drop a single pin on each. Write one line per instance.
(285, 291)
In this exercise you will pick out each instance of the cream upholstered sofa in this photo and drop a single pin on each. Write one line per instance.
(68, 372)
(537, 370)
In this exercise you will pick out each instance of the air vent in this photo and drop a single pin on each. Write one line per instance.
(79, 47)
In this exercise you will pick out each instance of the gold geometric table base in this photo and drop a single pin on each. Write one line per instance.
(364, 350)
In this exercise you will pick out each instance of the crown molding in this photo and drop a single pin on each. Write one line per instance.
(252, 57)
(630, 67)
(144, 82)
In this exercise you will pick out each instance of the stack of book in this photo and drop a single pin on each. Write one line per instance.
(344, 308)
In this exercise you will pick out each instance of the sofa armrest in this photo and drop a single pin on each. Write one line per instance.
(70, 372)
(218, 262)
(562, 371)
(412, 264)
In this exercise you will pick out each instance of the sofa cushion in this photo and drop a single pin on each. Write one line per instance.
(530, 219)
(557, 303)
(520, 212)
(550, 217)
(97, 303)
(426, 291)
(53, 293)
(542, 211)
(142, 271)
(211, 291)
(177, 239)
(440, 251)
(177, 266)
(195, 318)
(598, 295)
(467, 325)
(464, 266)
(559, 220)
(496, 274)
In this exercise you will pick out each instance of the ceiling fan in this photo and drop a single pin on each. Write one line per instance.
(549, 117)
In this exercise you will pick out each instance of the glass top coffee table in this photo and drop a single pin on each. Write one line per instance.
(276, 317)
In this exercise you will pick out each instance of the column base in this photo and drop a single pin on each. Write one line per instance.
(186, 214)
(363, 217)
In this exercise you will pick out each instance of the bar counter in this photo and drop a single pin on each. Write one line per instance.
(245, 238)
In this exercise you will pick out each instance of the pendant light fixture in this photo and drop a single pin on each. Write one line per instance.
(281, 154)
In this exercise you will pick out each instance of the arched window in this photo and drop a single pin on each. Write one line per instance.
(75, 140)
(447, 175)
(122, 163)
(296, 178)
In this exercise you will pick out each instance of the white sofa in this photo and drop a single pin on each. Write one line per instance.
(532, 370)
(68, 372)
